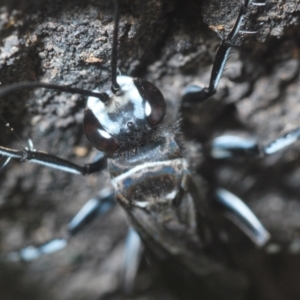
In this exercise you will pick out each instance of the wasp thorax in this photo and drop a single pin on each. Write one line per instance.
(126, 119)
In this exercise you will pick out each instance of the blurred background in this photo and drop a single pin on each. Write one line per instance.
(173, 44)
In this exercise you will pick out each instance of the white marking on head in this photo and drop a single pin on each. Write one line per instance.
(132, 94)
(171, 195)
(95, 104)
(141, 204)
(104, 134)
(147, 109)
(100, 111)
(125, 82)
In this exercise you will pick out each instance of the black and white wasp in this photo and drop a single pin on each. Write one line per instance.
(152, 181)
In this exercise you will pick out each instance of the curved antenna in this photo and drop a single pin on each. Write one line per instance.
(114, 53)
(64, 88)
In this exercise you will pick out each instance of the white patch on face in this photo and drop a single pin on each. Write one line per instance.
(96, 105)
(100, 111)
(141, 204)
(147, 109)
(171, 195)
(125, 82)
(104, 134)
(132, 94)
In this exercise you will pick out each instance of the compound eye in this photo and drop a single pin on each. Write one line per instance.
(98, 137)
(155, 105)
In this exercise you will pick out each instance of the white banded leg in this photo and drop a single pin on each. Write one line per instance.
(6, 161)
(282, 142)
(132, 257)
(34, 252)
(231, 146)
(239, 213)
(94, 208)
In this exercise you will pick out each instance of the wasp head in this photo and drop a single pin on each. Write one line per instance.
(124, 120)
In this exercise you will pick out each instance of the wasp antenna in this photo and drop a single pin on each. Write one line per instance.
(114, 54)
(64, 88)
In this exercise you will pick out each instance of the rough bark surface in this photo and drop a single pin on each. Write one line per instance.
(172, 44)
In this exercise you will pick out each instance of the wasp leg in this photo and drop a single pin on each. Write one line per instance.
(282, 142)
(242, 216)
(132, 258)
(34, 252)
(7, 160)
(53, 161)
(94, 208)
(230, 146)
(194, 93)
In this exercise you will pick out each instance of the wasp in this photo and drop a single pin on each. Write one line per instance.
(144, 157)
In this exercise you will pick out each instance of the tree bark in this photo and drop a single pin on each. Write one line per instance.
(172, 44)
